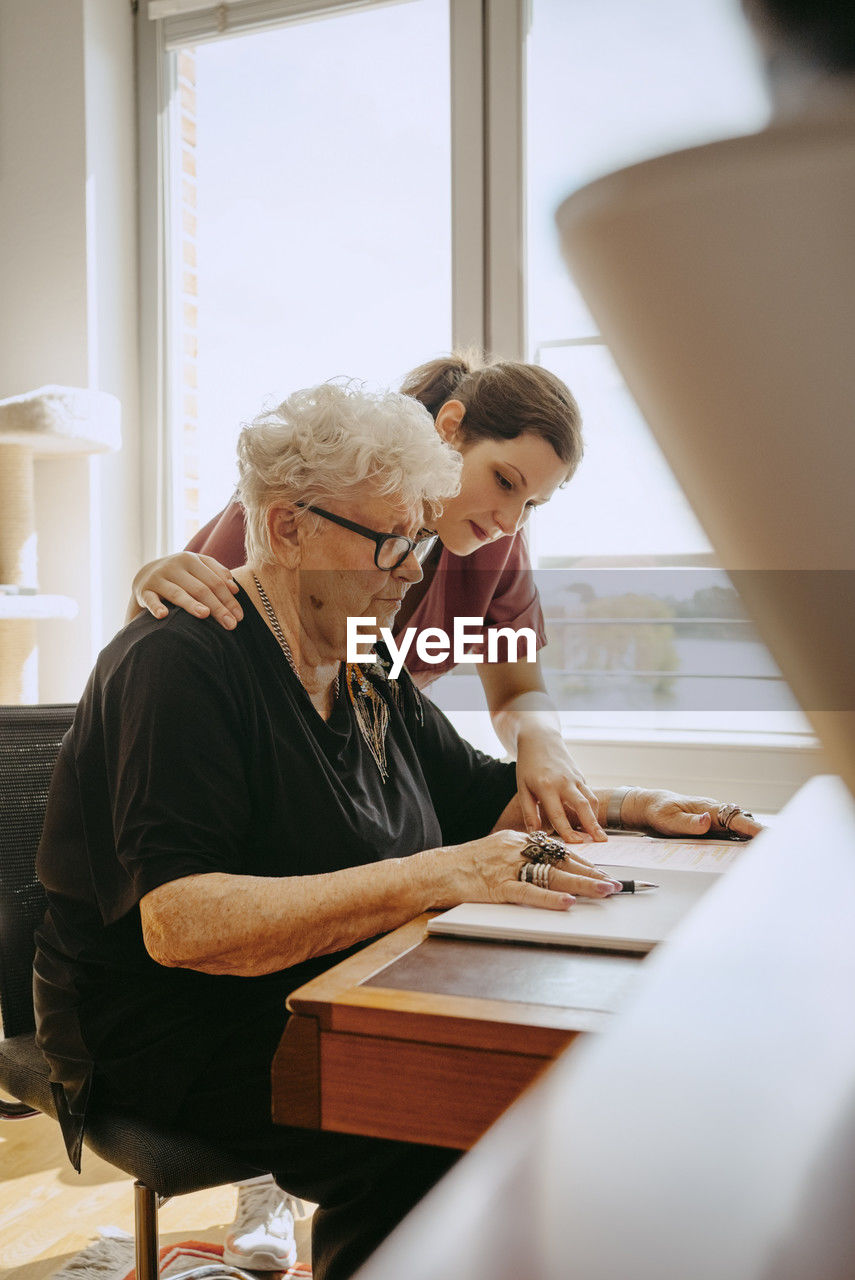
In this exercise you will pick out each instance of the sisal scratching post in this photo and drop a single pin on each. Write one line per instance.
(17, 517)
(19, 661)
(50, 422)
(18, 644)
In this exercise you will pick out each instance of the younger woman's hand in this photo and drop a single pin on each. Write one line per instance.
(195, 583)
(553, 793)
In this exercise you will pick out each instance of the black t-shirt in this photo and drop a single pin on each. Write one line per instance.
(196, 750)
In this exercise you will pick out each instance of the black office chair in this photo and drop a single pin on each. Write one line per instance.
(163, 1162)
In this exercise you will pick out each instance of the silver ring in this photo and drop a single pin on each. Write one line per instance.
(726, 813)
(536, 873)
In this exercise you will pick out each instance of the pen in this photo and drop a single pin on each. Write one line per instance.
(636, 886)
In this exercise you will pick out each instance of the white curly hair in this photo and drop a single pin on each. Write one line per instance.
(335, 439)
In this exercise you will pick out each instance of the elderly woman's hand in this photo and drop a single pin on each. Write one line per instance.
(487, 870)
(195, 583)
(673, 814)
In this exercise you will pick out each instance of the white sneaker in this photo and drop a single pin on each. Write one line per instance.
(261, 1238)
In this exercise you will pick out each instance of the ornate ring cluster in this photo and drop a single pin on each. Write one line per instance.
(727, 812)
(544, 848)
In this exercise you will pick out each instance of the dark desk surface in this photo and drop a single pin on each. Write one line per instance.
(430, 1039)
(521, 973)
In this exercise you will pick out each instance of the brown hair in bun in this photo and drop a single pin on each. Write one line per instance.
(503, 399)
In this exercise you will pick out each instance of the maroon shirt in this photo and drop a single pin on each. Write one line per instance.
(494, 583)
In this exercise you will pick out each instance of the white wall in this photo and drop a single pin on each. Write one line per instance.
(113, 293)
(69, 296)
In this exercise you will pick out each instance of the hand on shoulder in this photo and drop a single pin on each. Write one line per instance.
(198, 584)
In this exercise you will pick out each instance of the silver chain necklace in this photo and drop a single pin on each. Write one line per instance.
(280, 635)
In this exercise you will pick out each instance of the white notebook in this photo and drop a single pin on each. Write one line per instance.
(623, 922)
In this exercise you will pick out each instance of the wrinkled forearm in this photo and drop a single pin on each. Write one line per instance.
(251, 925)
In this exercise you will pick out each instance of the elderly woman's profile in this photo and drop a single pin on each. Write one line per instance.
(233, 811)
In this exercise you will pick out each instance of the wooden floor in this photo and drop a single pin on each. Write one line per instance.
(48, 1212)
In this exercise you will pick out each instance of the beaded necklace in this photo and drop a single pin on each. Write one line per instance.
(370, 710)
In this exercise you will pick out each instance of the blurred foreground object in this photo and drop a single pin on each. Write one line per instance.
(49, 422)
(808, 48)
(709, 1132)
(723, 279)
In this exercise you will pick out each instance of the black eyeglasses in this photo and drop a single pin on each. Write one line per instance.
(390, 549)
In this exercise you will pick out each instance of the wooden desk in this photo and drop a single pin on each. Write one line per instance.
(709, 1132)
(431, 1039)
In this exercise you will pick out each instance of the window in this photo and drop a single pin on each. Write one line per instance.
(309, 223)
(352, 196)
(610, 84)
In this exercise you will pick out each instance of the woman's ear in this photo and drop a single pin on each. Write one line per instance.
(282, 532)
(448, 421)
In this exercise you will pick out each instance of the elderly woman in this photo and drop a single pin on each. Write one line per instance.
(232, 811)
